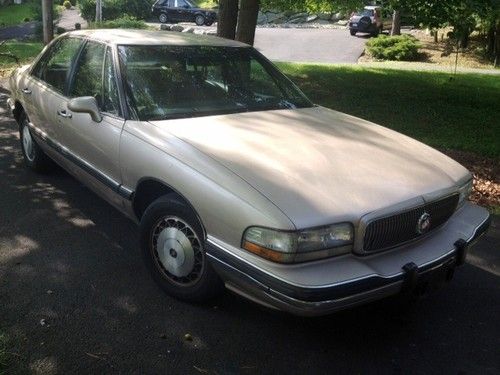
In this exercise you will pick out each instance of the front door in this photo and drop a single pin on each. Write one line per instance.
(95, 144)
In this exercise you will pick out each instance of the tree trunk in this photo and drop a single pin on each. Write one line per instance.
(497, 45)
(396, 23)
(247, 21)
(228, 17)
(490, 37)
(98, 11)
(48, 27)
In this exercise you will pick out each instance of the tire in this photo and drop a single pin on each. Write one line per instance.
(209, 23)
(163, 18)
(199, 20)
(34, 157)
(375, 33)
(352, 32)
(183, 271)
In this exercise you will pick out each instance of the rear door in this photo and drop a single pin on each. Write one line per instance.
(47, 85)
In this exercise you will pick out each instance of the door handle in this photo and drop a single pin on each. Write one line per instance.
(26, 91)
(64, 114)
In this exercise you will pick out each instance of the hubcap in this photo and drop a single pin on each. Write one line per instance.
(29, 149)
(177, 251)
(163, 18)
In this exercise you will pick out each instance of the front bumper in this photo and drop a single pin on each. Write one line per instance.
(322, 287)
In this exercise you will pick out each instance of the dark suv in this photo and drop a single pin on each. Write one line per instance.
(183, 11)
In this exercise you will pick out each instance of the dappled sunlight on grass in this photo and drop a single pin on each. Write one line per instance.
(456, 112)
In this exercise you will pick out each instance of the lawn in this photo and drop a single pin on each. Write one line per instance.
(15, 14)
(460, 113)
(25, 51)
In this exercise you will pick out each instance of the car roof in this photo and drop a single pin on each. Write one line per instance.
(149, 37)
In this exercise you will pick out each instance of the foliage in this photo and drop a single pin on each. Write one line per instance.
(459, 114)
(15, 14)
(67, 4)
(124, 22)
(113, 9)
(312, 6)
(398, 47)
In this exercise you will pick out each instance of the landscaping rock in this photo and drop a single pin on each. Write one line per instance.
(325, 16)
(165, 27)
(178, 28)
(312, 18)
(188, 30)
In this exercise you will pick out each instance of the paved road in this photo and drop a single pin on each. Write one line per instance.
(24, 30)
(76, 298)
(303, 45)
(310, 45)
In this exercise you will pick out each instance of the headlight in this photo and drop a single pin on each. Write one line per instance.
(464, 192)
(299, 246)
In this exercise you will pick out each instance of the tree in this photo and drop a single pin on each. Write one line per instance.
(247, 21)
(48, 27)
(228, 18)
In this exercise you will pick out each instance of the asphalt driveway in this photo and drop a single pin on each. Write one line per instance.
(76, 298)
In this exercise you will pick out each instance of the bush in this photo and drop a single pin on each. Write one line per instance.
(113, 9)
(67, 4)
(124, 22)
(398, 47)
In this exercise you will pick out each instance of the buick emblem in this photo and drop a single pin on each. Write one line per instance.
(424, 223)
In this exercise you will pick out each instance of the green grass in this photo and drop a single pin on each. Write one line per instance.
(15, 14)
(206, 3)
(462, 113)
(25, 51)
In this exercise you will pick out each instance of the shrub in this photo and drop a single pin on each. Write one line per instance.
(113, 9)
(398, 47)
(67, 4)
(124, 22)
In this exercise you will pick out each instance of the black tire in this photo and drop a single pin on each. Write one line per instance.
(199, 20)
(209, 23)
(163, 18)
(375, 33)
(34, 157)
(169, 213)
(352, 32)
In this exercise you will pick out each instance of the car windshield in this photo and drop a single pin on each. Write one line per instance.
(364, 13)
(165, 82)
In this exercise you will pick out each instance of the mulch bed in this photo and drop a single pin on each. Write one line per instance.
(486, 173)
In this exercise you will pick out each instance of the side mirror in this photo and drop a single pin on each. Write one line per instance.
(85, 104)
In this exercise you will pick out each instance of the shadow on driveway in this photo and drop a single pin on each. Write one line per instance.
(76, 298)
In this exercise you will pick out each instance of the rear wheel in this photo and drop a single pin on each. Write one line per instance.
(352, 32)
(173, 249)
(163, 18)
(199, 20)
(33, 155)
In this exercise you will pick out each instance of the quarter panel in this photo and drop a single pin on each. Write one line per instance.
(226, 204)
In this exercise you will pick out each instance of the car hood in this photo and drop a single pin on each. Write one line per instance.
(317, 165)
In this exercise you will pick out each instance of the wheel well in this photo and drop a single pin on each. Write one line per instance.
(148, 190)
(18, 109)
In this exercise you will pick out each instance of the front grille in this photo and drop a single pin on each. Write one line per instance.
(390, 231)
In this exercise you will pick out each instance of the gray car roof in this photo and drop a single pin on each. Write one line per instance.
(148, 37)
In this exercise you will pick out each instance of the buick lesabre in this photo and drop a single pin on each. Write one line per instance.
(236, 179)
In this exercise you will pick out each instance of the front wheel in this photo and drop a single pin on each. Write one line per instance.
(173, 249)
(163, 18)
(352, 32)
(199, 20)
(34, 157)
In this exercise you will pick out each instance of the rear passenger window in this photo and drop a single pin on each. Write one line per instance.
(55, 66)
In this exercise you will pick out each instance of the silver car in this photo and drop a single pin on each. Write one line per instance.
(236, 179)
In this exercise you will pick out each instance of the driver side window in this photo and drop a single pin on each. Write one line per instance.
(95, 76)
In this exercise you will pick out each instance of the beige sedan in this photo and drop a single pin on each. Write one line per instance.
(237, 179)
